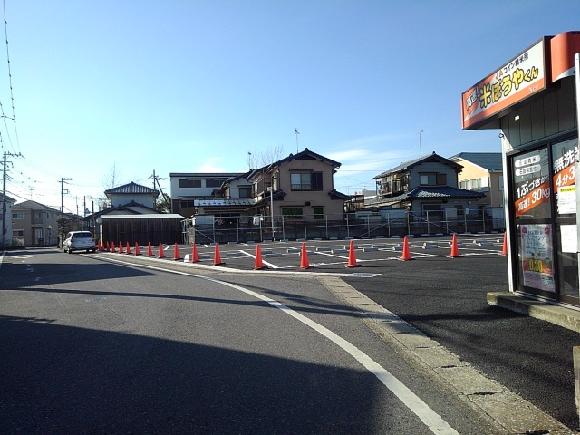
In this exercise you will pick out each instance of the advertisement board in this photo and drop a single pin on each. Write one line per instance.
(532, 184)
(536, 256)
(521, 77)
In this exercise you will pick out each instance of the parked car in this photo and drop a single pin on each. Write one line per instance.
(79, 241)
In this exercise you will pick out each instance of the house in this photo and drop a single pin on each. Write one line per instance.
(429, 183)
(6, 204)
(302, 187)
(186, 187)
(133, 218)
(482, 172)
(35, 224)
(134, 194)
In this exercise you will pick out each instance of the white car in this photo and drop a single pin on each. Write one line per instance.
(79, 241)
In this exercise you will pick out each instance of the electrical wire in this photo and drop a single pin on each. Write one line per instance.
(10, 77)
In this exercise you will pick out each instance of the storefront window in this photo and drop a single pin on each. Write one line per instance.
(533, 212)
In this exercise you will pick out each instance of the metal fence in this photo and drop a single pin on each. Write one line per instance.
(209, 229)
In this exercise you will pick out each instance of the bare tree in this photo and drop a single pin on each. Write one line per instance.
(111, 178)
(270, 155)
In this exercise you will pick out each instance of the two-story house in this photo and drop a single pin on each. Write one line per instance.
(482, 172)
(302, 187)
(429, 183)
(6, 204)
(35, 224)
(186, 187)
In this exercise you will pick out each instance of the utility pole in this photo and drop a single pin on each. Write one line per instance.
(4, 176)
(63, 192)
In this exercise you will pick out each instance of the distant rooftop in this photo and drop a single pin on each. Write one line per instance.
(433, 157)
(489, 161)
(131, 188)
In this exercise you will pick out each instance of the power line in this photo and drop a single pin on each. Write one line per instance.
(10, 77)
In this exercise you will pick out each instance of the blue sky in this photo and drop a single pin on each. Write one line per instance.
(180, 86)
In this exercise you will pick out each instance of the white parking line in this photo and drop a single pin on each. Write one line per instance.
(273, 266)
(429, 417)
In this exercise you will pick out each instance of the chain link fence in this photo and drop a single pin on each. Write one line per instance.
(206, 229)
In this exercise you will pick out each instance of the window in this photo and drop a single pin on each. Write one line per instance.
(428, 179)
(186, 204)
(214, 182)
(17, 215)
(441, 179)
(464, 184)
(18, 233)
(318, 212)
(293, 212)
(189, 183)
(306, 180)
(245, 191)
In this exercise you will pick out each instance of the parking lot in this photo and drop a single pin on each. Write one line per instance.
(331, 255)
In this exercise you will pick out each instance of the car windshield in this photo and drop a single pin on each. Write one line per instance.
(82, 236)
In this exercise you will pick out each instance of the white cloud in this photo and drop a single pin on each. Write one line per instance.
(211, 165)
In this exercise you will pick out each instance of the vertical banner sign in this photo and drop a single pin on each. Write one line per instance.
(537, 256)
(564, 156)
(532, 185)
(515, 81)
(577, 80)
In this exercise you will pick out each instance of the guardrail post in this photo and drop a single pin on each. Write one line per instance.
(428, 224)
(465, 219)
(261, 237)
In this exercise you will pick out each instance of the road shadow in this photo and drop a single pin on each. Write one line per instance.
(64, 379)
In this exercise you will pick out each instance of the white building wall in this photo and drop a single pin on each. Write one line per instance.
(8, 236)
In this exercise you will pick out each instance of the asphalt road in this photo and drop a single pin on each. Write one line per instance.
(90, 346)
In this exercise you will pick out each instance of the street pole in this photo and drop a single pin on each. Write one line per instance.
(272, 207)
(4, 176)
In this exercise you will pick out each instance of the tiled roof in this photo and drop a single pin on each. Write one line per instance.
(305, 154)
(489, 161)
(131, 188)
(33, 205)
(410, 163)
(439, 192)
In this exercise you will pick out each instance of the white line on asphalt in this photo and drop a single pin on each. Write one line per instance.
(429, 417)
(2, 258)
(273, 266)
(162, 269)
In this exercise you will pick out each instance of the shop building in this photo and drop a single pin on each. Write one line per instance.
(531, 101)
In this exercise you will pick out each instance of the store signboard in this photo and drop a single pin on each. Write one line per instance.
(532, 184)
(537, 257)
(564, 158)
(518, 79)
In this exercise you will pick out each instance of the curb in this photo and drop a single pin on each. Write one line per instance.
(485, 395)
(552, 313)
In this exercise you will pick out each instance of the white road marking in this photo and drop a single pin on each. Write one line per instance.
(273, 266)
(162, 269)
(429, 417)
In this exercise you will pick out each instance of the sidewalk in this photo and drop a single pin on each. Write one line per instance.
(448, 302)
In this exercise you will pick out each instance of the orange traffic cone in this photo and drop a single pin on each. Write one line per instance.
(454, 247)
(112, 246)
(149, 250)
(107, 247)
(406, 252)
(304, 263)
(161, 253)
(259, 262)
(121, 250)
(194, 255)
(175, 252)
(137, 249)
(351, 256)
(128, 250)
(217, 258)
(504, 249)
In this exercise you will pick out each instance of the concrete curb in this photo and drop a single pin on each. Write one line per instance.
(558, 315)
(505, 408)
